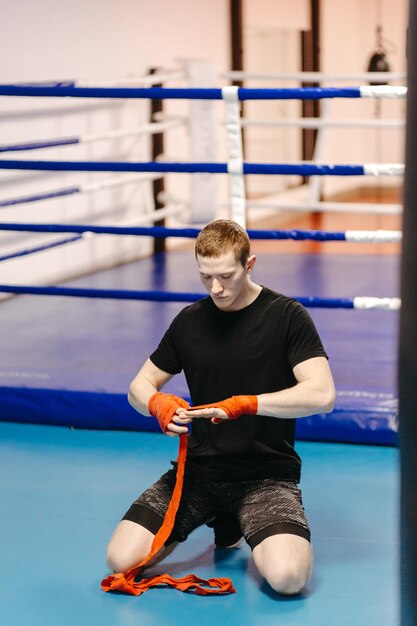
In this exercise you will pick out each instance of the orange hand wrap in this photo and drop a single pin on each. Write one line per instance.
(163, 406)
(126, 582)
(234, 407)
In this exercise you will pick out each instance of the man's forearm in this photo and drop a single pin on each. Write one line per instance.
(140, 392)
(147, 381)
(299, 401)
(303, 399)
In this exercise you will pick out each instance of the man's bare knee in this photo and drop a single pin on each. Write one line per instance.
(122, 561)
(285, 561)
(129, 545)
(287, 580)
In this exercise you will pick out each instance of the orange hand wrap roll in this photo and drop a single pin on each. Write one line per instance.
(234, 407)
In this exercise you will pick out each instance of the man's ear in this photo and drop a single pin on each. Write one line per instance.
(250, 263)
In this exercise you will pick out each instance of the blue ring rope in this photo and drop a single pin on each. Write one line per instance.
(48, 246)
(297, 235)
(299, 93)
(154, 296)
(161, 232)
(68, 191)
(303, 169)
(160, 93)
(184, 168)
(36, 145)
(156, 231)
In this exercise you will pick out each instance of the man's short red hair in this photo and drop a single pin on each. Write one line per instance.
(221, 236)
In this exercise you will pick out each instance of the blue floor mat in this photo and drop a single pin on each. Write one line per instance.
(63, 491)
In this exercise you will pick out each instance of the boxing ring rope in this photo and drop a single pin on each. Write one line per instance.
(299, 169)
(80, 189)
(154, 216)
(316, 122)
(358, 302)
(235, 167)
(49, 246)
(198, 93)
(148, 129)
(365, 236)
(163, 75)
(318, 77)
(334, 207)
(322, 206)
(232, 96)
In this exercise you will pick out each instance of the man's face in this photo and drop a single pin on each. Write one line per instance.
(226, 280)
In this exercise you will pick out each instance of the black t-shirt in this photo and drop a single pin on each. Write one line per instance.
(250, 351)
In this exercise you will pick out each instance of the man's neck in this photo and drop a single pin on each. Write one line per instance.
(251, 293)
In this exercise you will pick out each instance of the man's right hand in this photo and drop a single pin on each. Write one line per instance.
(167, 409)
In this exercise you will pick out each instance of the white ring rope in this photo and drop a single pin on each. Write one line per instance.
(140, 81)
(317, 122)
(117, 181)
(303, 122)
(327, 207)
(383, 304)
(152, 128)
(316, 77)
(383, 91)
(383, 169)
(340, 207)
(373, 236)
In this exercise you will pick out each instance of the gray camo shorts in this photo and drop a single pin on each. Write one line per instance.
(263, 507)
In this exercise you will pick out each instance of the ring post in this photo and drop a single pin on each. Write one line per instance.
(408, 346)
(158, 185)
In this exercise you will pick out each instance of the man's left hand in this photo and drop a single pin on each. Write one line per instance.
(216, 414)
(229, 409)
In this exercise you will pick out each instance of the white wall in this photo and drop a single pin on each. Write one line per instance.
(276, 14)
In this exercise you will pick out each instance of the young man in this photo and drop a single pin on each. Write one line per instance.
(254, 360)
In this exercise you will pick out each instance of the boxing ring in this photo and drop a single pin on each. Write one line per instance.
(72, 348)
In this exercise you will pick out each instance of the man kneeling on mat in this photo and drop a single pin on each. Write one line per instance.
(253, 362)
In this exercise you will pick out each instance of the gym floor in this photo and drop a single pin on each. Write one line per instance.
(64, 490)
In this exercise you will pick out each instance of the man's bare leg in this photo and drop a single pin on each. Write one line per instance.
(130, 544)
